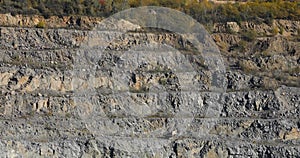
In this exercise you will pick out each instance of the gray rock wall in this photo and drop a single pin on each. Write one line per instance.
(153, 113)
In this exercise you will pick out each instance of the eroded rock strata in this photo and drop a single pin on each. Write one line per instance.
(154, 112)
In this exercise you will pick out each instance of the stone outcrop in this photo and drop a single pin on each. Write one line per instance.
(154, 112)
(272, 56)
(81, 22)
(284, 27)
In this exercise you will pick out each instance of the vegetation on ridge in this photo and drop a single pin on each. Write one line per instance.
(204, 11)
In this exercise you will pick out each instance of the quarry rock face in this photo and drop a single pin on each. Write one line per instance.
(134, 89)
(82, 22)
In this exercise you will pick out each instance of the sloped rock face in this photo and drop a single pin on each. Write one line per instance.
(287, 27)
(82, 22)
(162, 107)
(273, 58)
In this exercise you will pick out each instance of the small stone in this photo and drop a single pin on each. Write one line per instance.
(174, 133)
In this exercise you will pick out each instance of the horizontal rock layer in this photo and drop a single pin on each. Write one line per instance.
(54, 104)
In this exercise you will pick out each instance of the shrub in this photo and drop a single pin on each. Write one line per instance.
(41, 24)
(249, 35)
(241, 46)
(134, 3)
(274, 30)
(281, 30)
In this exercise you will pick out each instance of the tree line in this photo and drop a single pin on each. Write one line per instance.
(202, 10)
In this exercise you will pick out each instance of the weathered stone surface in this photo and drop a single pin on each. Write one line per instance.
(162, 108)
(82, 22)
